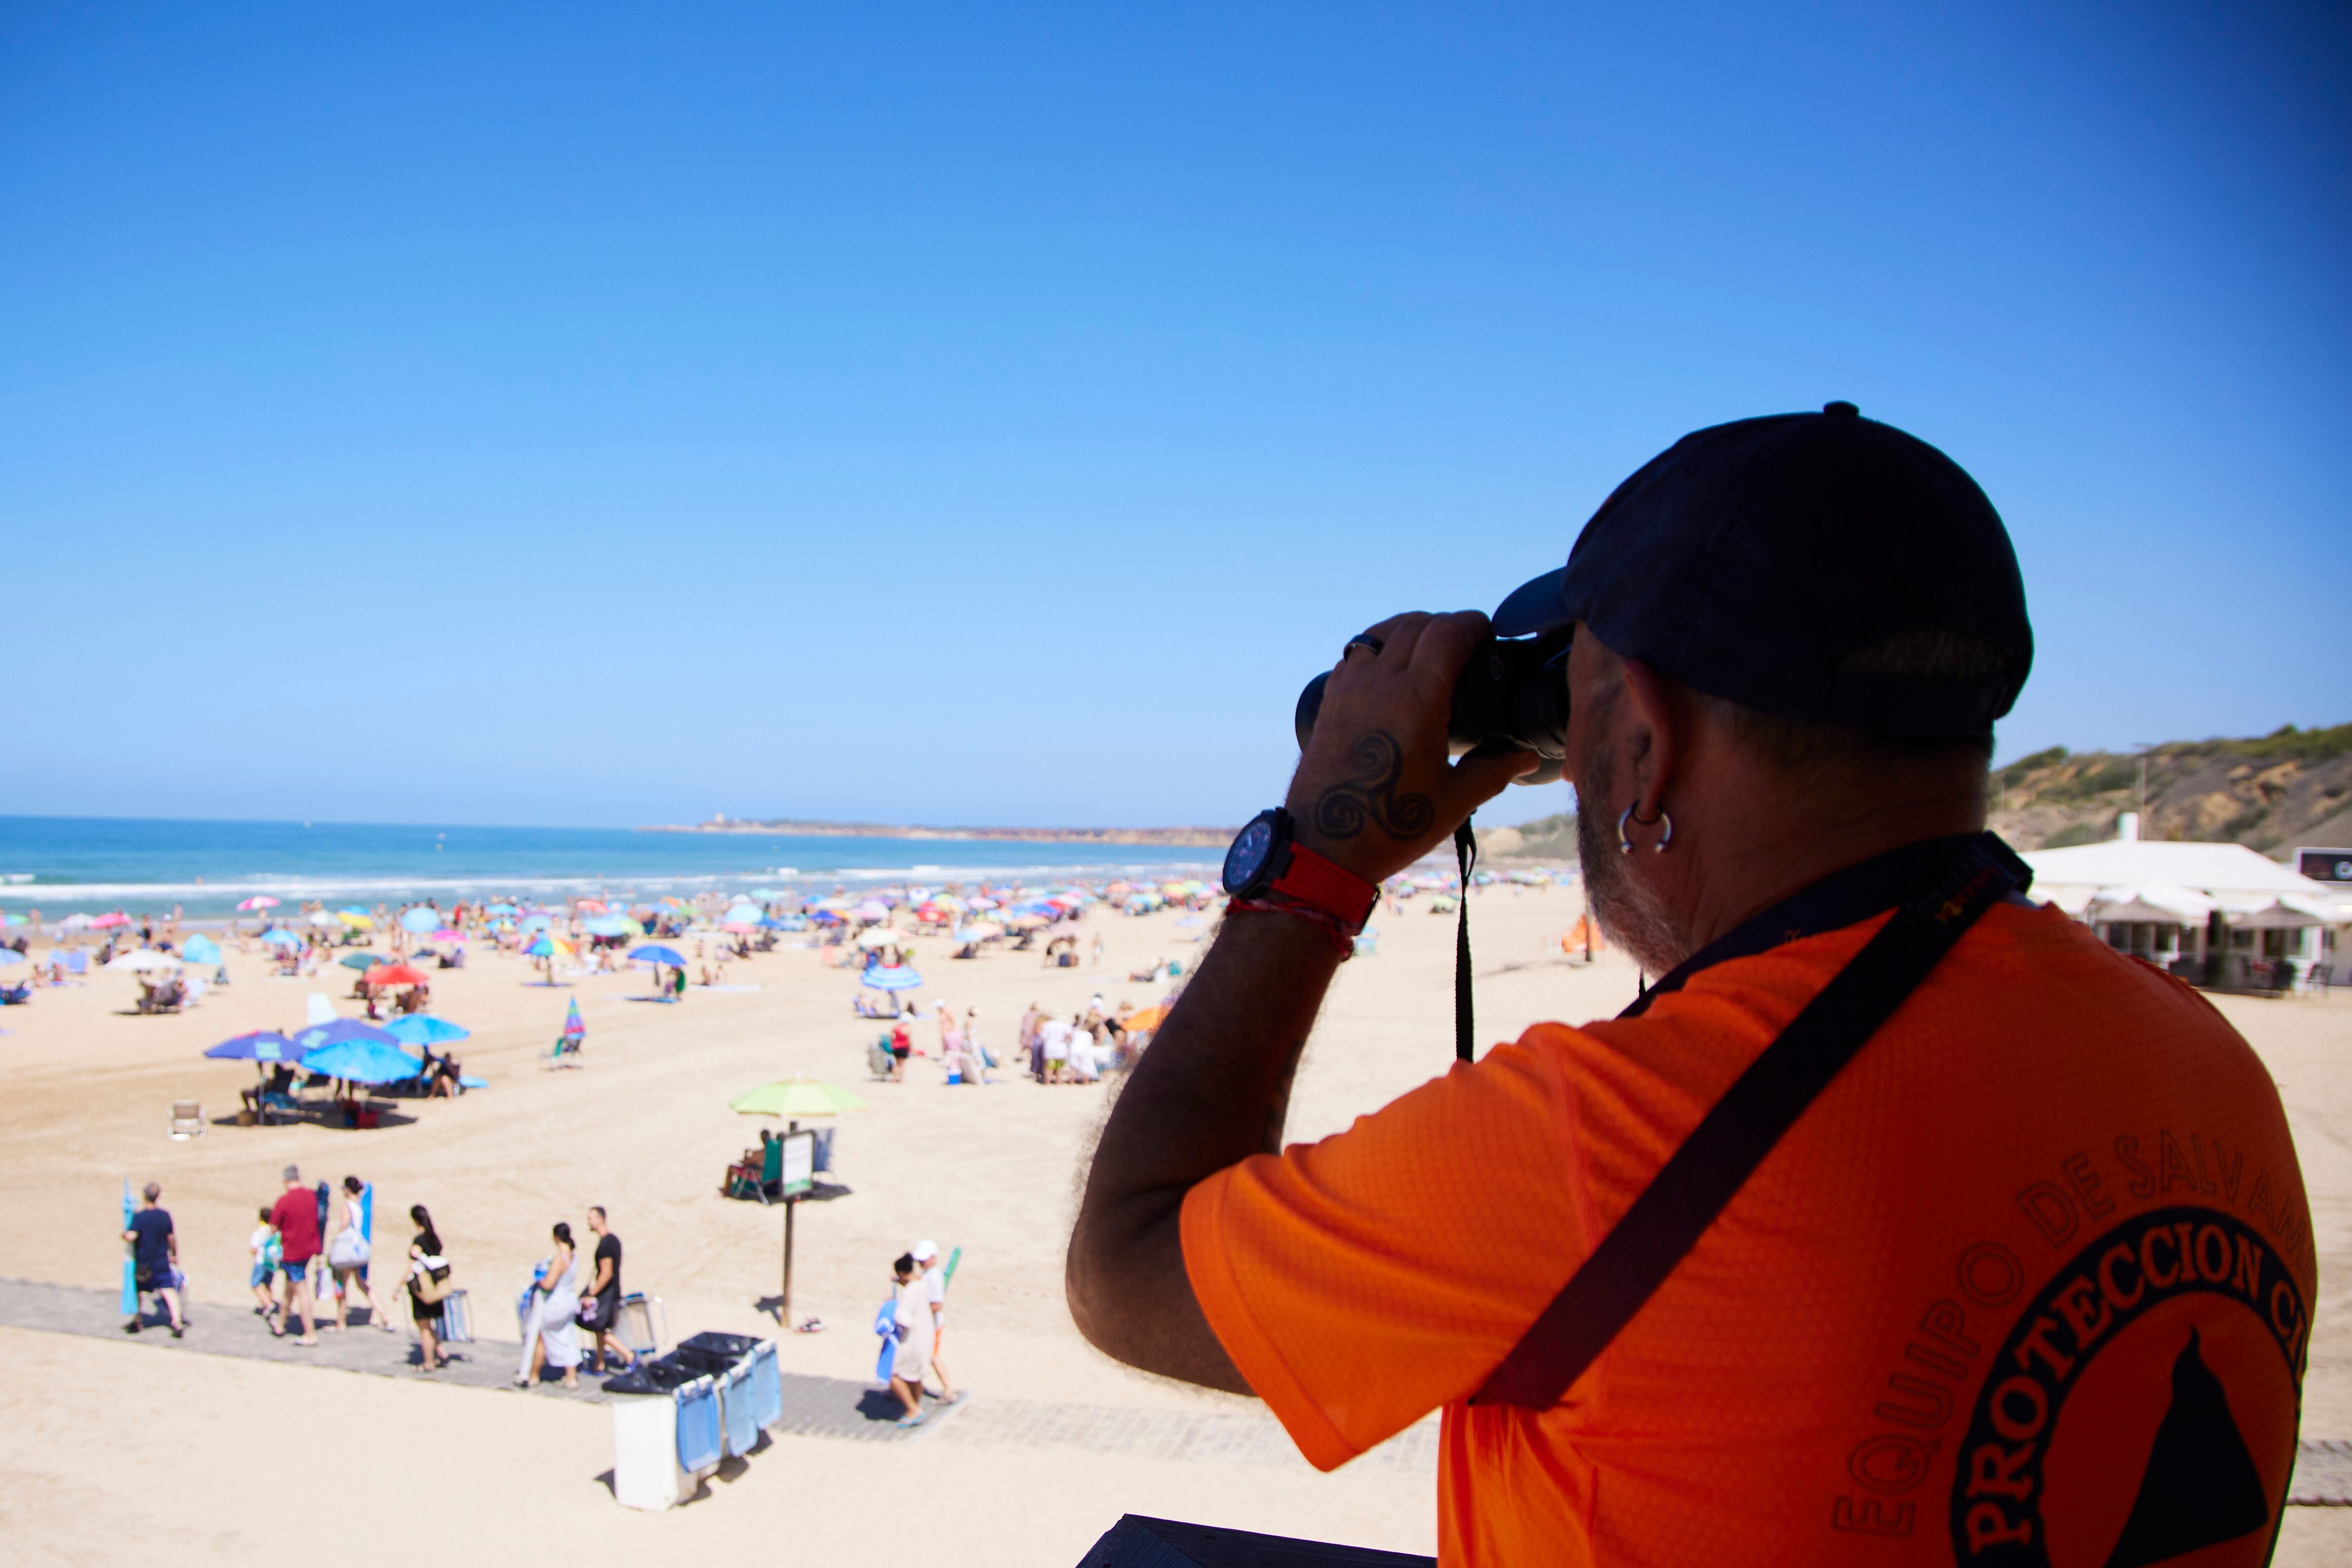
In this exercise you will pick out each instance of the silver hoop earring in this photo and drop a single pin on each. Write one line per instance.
(1625, 844)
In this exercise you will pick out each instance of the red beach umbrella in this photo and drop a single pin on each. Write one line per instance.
(393, 975)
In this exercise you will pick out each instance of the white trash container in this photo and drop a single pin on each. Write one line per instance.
(644, 1453)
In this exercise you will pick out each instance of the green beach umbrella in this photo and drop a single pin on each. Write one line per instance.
(795, 1097)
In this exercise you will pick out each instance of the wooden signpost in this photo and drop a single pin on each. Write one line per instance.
(798, 1170)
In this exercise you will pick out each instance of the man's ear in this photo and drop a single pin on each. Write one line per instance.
(1657, 721)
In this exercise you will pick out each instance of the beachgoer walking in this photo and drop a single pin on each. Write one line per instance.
(296, 1216)
(348, 1250)
(550, 1308)
(154, 1255)
(600, 1309)
(935, 1290)
(912, 1355)
(1094, 959)
(1032, 1039)
(902, 1046)
(266, 1256)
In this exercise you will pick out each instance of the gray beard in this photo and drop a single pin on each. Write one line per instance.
(1630, 914)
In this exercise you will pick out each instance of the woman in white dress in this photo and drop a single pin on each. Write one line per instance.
(551, 1311)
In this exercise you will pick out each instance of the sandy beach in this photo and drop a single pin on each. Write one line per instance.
(116, 1448)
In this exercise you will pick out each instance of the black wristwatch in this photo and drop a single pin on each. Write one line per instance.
(1265, 860)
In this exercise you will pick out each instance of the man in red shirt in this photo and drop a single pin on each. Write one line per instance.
(296, 1215)
(1899, 1222)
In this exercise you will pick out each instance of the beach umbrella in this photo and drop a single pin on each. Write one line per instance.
(607, 926)
(980, 931)
(982, 903)
(74, 923)
(548, 947)
(590, 906)
(1028, 922)
(110, 921)
(261, 1045)
(258, 901)
(363, 1062)
(892, 977)
(423, 1029)
(10, 956)
(448, 935)
(747, 913)
(873, 909)
(536, 922)
(361, 960)
(502, 909)
(201, 949)
(394, 974)
(12, 920)
(419, 919)
(279, 936)
(880, 937)
(1148, 1020)
(658, 954)
(575, 1029)
(321, 917)
(795, 1097)
(144, 958)
(336, 1030)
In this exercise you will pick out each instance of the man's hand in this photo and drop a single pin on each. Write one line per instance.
(1375, 791)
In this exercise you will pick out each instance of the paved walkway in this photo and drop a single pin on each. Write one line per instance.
(814, 1407)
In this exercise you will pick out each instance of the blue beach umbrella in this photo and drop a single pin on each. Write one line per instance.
(420, 920)
(363, 1062)
(201, 949)
(279, 936)
(606, 925)
(423, 1029)
(261, 1045)
(335, 1032)
(892, 977)
(10, 956)
(502, 909)
(657, 955)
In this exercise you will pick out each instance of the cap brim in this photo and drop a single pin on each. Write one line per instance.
(1536, 606)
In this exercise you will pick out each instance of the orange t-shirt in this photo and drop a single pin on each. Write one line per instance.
(2028, 1283)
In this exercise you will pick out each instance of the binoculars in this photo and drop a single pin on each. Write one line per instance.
(1513, 692)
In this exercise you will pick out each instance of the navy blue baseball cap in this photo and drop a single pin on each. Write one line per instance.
(1752, 560)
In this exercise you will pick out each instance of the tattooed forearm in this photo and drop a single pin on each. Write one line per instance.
(1369, 794)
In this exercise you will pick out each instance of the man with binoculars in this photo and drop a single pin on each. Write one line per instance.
(1899, 1221)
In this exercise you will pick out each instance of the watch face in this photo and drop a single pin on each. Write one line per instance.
(1247, 857)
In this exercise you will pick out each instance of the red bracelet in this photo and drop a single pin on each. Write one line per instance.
(1342, 939)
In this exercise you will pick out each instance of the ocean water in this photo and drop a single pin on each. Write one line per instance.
(63, 864)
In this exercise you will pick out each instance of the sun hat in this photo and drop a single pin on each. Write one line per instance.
(925, 1250)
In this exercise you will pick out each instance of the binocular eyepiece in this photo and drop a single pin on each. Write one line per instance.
(1512, 693)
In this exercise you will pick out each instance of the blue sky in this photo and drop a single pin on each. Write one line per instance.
(603, 413)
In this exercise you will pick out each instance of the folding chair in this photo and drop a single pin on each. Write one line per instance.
(188, 1119)
(641, 1323)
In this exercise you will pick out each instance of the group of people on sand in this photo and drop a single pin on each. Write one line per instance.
(1076, 1049)
(311, 1243)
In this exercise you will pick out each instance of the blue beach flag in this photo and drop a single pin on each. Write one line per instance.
(130, 1269)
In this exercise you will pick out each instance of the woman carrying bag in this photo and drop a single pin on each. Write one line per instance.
(428, 1287)
(348, 1251)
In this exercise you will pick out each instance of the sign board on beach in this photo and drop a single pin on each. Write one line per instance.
(2325, 865)
(799, 1163)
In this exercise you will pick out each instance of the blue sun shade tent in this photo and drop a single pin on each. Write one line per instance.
(420, 919)
(279, 936)
(201, 949)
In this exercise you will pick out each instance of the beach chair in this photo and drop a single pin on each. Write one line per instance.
(642, 1325)
(188, 1119)
(17, 996)
(456, 1324)
(878, 1059)
(740, 1182)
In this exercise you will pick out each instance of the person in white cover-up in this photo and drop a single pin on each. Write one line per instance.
(549, 1311)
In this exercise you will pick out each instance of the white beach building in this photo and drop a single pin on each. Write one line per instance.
(2220, 916)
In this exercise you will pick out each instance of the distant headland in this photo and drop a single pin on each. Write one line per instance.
(1179, 837)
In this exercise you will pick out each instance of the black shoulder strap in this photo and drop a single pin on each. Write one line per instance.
(1715, 1162)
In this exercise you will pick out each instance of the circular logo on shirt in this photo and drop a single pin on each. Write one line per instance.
(2132, 1416)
